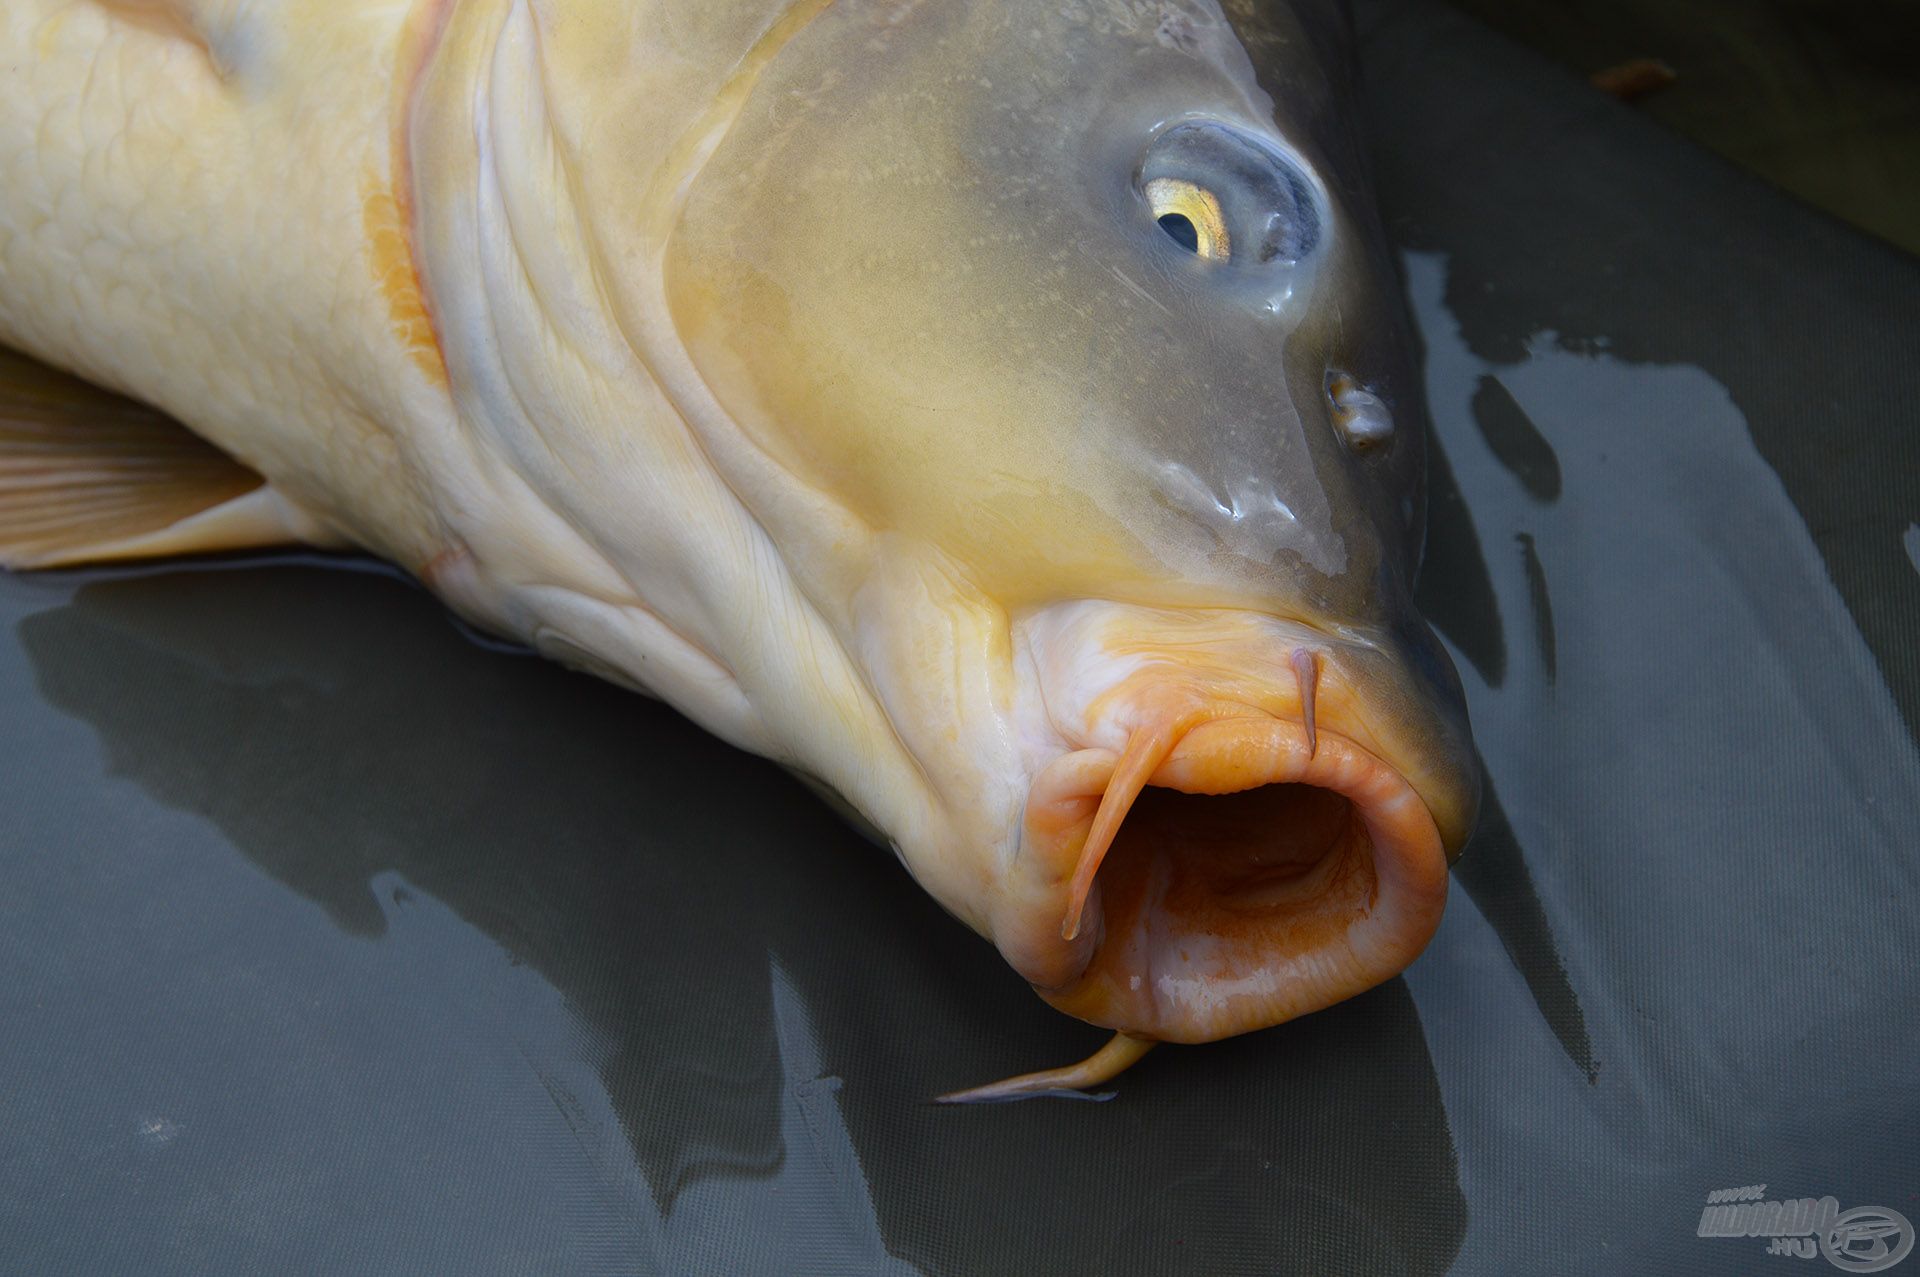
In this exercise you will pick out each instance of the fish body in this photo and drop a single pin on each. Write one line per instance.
(999, 414)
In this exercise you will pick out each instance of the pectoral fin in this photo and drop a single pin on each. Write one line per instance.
(89, 477)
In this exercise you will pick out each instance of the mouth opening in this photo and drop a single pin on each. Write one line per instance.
(1213, 859)
(1253, 876)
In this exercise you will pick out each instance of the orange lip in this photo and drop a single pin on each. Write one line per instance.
(1252, 872)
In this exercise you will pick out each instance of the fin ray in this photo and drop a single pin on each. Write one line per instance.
(87, 476)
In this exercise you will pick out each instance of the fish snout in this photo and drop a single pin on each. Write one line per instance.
(1229, 858)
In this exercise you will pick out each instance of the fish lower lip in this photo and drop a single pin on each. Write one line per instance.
(1256, 878)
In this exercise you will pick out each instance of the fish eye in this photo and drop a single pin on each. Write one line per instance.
(1227, 194)
(1360, 415)
(1191, 216)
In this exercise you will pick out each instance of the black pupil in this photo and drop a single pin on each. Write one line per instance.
(1182, 229)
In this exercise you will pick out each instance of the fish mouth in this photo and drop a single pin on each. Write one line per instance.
(1222, 875)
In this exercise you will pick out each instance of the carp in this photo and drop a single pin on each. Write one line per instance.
(1000, 414)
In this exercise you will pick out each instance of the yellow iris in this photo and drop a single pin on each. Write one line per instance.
(1176, 197)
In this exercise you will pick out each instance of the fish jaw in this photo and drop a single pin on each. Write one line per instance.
(1193, 937)
(1226, 826)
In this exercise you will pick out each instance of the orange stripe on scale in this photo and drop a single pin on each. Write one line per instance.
(387, 208)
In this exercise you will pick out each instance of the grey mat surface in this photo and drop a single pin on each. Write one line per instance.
(334, 941)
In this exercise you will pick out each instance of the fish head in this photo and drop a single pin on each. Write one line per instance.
(1055, 350)
(1073, 296)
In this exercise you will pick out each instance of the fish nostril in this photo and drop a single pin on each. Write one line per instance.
(1359, 414)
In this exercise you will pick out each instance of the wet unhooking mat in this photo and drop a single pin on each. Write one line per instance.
(332, 940)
